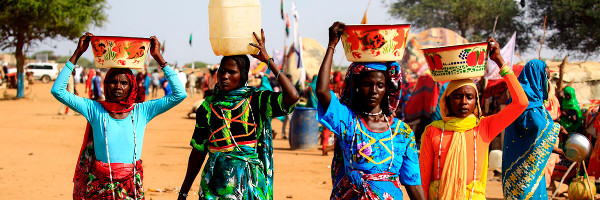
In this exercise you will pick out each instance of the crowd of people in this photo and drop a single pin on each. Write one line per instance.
(375, 151)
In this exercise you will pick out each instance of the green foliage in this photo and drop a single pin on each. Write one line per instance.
(571, 25)
(25, 22)
(472, 19)
(30, 20)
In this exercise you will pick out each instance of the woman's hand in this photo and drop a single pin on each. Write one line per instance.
(262, 51)
(335, 33)
(494, 52)
(155, 51)
(82, 45)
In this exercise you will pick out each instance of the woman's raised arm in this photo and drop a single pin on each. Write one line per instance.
(290, 94)
(335, 32)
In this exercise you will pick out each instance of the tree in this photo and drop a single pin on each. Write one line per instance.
(472, 19)
(571, 25)
(26, 22)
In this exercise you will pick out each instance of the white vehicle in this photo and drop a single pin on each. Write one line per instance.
(42, 71)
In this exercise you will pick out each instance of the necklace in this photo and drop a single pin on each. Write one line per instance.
(373, 114)
(474, 155)
(134, 157)
(354, 141)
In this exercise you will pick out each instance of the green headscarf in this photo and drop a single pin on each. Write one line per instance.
(571, 104)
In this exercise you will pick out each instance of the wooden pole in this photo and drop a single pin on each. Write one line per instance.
(543, 38)
(496, 21)
(561, 73)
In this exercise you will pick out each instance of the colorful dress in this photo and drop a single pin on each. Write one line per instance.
(368, 164)
(529, 140)
(115, 141)
(235, 129)
(454, 150)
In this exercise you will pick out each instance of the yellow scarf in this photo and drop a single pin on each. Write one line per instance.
(453, 178)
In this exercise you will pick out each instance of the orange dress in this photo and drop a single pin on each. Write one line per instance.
(487, 129)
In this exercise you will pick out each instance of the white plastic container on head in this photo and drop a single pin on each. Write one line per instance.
(231, 23)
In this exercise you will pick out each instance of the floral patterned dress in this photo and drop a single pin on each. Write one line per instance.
(369, 164)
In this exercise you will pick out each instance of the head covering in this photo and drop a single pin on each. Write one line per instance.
(453, 178)
(125, 105)
(392, 69)
(530, 135)
(229, 99)
(571, 104)
(453, 85)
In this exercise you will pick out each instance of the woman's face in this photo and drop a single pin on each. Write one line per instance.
(228, 75)
(371, 89)
(118, 87)
(462, 101)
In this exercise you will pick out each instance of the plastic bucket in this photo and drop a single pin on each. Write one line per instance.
(304, 129)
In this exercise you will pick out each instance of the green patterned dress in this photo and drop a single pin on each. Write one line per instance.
(237, 135)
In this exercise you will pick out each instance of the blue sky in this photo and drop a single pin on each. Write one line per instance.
(173, 21)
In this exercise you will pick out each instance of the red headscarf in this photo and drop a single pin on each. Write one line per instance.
(125, 105)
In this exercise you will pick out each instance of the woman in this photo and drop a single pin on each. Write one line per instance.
(454, 150)
(374, 153)
(234, 127)
(571, 117)
(112, 147)
(529, 140)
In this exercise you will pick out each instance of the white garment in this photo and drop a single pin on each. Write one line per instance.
(182, 77)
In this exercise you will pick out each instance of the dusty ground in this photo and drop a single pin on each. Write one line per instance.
(38, 152)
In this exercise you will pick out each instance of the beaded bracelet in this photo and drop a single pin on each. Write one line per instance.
(505, 70)
(277, 76)
(332, 48)
(163, 65)
(270, 61)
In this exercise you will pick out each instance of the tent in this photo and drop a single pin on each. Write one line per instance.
(313, 54)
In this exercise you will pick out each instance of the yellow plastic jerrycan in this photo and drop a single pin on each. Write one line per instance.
(231, 24)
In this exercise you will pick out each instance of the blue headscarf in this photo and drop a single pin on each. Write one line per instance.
(529, 140)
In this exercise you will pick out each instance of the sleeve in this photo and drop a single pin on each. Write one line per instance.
(426, 161)
(159, 106)
(270, 104)
(510, 113)
(336, 117)
(202, 130)
(59, 91)
(410, 170)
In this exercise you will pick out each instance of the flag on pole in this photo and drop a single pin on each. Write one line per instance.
(507, 53)
(364, 19)
(162, 47)
(190, 39)
(281, 9)
(287, 25)
(298, 44)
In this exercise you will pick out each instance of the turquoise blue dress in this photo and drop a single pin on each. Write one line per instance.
(529, 140)
(368, 163)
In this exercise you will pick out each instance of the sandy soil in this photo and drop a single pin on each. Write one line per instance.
(39, 149)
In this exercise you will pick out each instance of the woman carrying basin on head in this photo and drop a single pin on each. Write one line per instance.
(109, 165)
(454, 150)
(374, 153)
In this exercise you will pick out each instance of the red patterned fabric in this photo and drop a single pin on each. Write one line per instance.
(124, 105)
(92, 180)
(347, 190)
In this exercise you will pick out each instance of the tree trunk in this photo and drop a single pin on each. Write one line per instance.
(20, 62)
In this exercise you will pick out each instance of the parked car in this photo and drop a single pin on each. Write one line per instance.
(45, 72)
